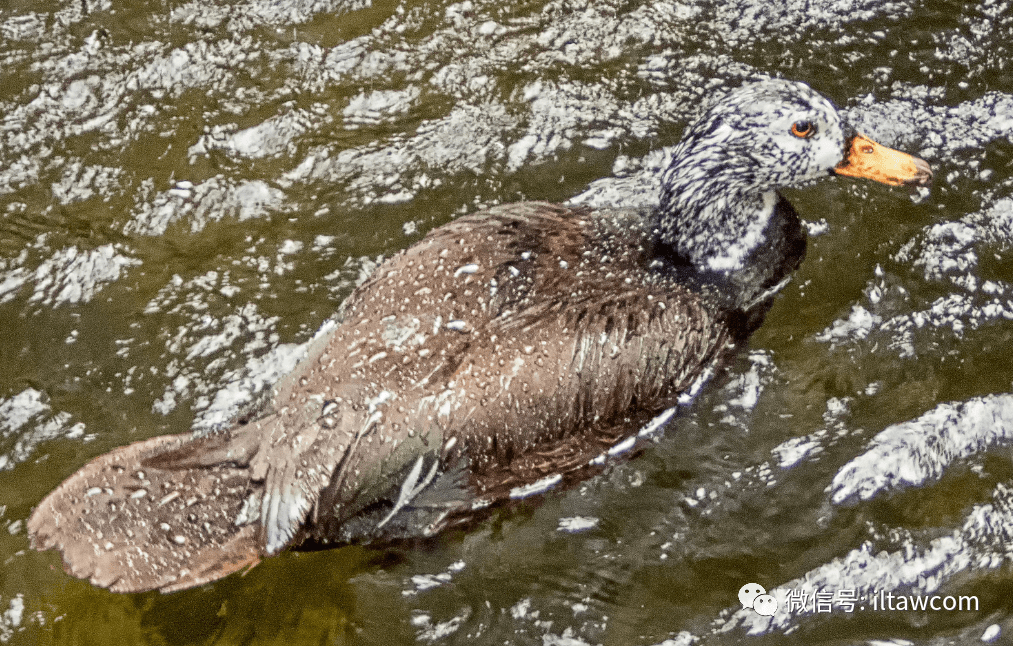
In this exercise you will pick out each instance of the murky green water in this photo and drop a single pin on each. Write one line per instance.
(185, 188)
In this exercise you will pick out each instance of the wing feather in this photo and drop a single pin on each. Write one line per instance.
(551, 355)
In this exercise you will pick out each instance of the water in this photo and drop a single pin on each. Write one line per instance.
(189, 190)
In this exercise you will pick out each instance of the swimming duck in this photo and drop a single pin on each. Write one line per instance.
(505, 351)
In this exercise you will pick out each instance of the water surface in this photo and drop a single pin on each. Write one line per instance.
(189, 190)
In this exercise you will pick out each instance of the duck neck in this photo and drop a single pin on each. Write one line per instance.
(743, 241)
(721, 234)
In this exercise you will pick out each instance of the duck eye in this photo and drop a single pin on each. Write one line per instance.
(803, 129)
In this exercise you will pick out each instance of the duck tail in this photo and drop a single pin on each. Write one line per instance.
(162, 514)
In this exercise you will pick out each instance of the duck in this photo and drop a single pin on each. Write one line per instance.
(504, 353)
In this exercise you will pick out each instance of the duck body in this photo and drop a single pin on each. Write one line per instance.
(508, 347)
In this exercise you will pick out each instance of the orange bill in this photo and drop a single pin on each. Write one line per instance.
(874, 161)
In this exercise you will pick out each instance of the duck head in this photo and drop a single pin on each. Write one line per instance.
(719, 201)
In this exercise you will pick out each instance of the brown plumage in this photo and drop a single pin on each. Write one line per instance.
(482, 372)
(509, 346)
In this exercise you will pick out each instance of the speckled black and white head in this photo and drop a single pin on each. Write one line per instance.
(720, 191)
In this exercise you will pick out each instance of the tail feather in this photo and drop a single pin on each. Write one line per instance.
(131, 521)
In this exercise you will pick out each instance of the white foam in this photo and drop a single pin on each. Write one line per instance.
(573, 524)
(71, 276)
(537, 487)
(919, 451)
(28, 417)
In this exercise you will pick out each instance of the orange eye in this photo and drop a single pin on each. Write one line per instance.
(803, 129)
